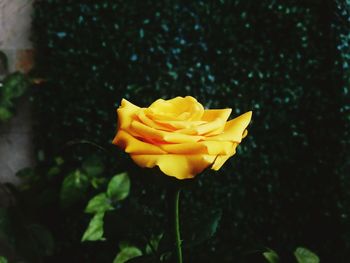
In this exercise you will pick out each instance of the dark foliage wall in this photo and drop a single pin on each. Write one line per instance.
(285, 60)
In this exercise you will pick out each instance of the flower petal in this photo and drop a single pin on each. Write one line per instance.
(202, 147)
(234, 129)
(179, 166)
(179, 108)
(211, 115)
(151, 134)
(127, 112)
(221, 159)
(181, 126)
(213, 122)
(151, 123)
(217, 125)
(133, 145)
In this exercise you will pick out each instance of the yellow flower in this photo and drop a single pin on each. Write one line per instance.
(179, 135)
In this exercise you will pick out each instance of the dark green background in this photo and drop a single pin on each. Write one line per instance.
(285, 60)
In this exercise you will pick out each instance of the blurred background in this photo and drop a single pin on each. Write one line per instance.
(288, 186)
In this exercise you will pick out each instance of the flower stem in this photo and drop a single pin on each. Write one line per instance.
(177, 226)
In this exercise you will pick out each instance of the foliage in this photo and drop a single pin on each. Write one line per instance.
(46, 218)
(126, 253)
(117, 190)
(271, 256)
(302, 255)
(11, 88)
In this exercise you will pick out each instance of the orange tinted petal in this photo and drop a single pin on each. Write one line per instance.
(132, 145)
(181, 125)
(212, 122)
(179, 166)
(202, 147)
(146, 133)
(151, 123)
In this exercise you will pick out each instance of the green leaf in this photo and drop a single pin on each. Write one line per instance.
(202, 229)
(7, 235)
(119, 187)
(153, 243)
(304, 255)
(97, 182)
(5, 220)
(41, 155)
(43, 239)
(271, 256)
(127, 253)
(26, 174)
(3, 260)
(4, 60)
(95, 229)
(59, 160)
(99, 203)
(53, 171)
(142, 259)
(165, 257)
(5, 114)
(14, 85)
(93, 166)
(73, 188)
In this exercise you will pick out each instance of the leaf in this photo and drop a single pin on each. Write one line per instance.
(95, 229)
(165, 257)
(27, 174)
(119, 187)
(93, 166)
(97, 182)
(73, 188)
(142, 259)
(3, 260)
(304, 255)
(271, 256)
(7, 235)
(33, 242)
(53, 171)
(4, 60)
(5, 220)
(43, 239)
(127, 253)
(5, 114)
(153, 243)
(202, 229)
(59, 161)
(14, 85)
(99, 203)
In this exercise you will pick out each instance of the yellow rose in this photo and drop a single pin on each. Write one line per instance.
(179, 135)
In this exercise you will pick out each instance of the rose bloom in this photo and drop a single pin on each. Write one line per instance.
(179, 135)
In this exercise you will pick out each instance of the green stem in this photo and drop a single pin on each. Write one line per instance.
(177, 226)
